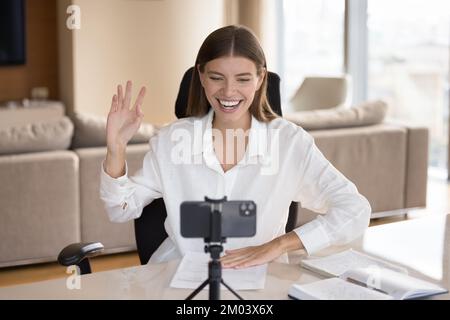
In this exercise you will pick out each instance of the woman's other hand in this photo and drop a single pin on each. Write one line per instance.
(122, 124)
(123, 121)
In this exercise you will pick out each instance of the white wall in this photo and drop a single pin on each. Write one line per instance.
(151, 42)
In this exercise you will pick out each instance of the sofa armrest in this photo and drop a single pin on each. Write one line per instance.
(416, 164)
(417, 169)
(39, 212)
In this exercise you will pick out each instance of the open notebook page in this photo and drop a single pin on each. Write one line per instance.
(334, 289)
(336, 264)
(398, 285)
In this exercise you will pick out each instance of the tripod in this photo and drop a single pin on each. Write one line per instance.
(214, 247)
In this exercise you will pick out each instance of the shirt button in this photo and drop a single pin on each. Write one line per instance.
(124, 206)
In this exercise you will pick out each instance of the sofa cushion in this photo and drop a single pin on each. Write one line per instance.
(90, 131)
(36, 111)
(54, 134)
(367, 113)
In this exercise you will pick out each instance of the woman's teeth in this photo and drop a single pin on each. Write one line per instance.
(229, 104)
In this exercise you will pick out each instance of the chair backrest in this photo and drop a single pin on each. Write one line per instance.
(149, 227)
(322, 93)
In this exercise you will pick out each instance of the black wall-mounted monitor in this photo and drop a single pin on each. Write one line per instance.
(12, 32)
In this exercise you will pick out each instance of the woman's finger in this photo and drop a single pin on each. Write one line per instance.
(127, 99)
(119, 96)
(232, 256)
(231, 251)
(236, 261)
(231, 259)
(113, 104)
(248, 262)
(139, 112)
(139, 100)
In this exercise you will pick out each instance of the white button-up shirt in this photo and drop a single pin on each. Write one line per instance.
(281, 164)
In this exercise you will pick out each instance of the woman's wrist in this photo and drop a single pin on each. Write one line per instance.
(289, 242)
(116, 149)
(115, 164)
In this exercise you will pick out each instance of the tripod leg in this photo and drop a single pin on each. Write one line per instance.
(200, 287)
(232, 291)
(214, 288)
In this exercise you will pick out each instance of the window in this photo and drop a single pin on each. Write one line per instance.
(409, 65)
(313, 41)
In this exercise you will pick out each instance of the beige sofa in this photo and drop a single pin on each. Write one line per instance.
(387, 162)
(51, 198)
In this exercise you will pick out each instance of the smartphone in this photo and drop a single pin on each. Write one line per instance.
(238, 219)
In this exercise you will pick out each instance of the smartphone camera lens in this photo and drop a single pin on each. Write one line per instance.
(243, 207)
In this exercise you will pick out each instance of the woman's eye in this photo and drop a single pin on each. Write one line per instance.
(243, 80)
(215, 78)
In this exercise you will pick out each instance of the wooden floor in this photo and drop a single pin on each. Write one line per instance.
(437, 203)
(46, 271)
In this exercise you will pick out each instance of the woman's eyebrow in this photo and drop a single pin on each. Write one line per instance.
(237, 75)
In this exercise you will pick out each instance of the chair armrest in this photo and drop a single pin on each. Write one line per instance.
(74, 253)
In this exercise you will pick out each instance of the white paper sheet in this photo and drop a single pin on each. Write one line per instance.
(193, 270)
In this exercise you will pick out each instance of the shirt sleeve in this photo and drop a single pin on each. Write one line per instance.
(323, 189)
(125, 197)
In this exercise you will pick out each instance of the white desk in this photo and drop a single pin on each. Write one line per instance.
(421, 245)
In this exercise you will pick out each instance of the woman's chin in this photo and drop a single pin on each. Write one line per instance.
(226, 116)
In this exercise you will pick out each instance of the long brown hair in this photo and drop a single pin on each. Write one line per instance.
(230, 41)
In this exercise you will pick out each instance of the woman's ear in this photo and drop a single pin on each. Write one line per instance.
(261, 76)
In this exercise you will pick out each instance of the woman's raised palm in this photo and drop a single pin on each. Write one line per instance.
(123, 121)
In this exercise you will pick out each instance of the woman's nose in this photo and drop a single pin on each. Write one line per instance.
(229, 88)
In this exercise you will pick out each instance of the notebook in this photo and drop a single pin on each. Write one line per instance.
(357, 276)
(334, 289)
(336, 264)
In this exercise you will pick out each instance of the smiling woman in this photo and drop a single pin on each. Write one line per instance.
(273, 161)
(232, 68)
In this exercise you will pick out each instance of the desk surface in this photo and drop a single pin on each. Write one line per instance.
(421, 245)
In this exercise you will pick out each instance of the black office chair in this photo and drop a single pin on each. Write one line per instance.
(149, 227)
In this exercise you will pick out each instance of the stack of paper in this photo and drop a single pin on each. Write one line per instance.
(193, 270)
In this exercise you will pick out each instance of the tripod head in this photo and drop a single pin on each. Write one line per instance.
(215, 226)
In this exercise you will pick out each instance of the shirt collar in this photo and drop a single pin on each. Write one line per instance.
(257, 142)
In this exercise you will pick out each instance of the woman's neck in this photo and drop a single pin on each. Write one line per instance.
(243, 123)
(230, 143)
